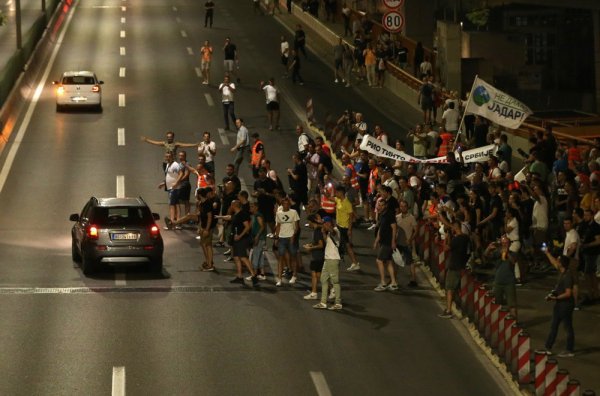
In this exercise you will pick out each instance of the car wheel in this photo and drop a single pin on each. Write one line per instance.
(156, 265)
(88, 266)
(75, 252)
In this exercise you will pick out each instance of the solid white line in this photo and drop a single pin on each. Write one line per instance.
(121, 136)
(122, 33)
(209, 99)
(183, 33)
(120, 279)
(120, 186)
(12, 153)
(198, 72)
(118, 381)
(122, 51)
(223, 136)
(320, 383)
(121, 100)
(121, 72)
(123, 20)
(190, 51)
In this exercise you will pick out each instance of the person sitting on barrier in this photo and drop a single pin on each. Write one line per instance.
(505, 291)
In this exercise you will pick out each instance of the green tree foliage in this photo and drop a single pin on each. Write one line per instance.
(479, 17)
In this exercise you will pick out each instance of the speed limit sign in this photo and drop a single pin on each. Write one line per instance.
(393, 21)
(393, 4)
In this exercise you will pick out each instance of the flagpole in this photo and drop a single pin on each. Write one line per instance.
(462, 120)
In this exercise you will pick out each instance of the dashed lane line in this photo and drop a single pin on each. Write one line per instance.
(118, 381)
(121, 72)
(122, 51)
(209, 100)
(183, 33)
(223, 136)
(190, 51)
(198, 71)
(120, 279)
(120, 186)
(123, 34)
(121, 100)
(123, 19)
(123, 9)
(120, 136)
(320, 383)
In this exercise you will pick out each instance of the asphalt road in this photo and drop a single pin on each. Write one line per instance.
(188, 332)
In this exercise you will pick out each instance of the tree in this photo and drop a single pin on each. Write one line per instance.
(479, 17)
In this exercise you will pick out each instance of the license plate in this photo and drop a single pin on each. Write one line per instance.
(78, 98)
(124, 236)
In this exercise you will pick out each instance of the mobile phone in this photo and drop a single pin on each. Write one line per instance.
(544, 247)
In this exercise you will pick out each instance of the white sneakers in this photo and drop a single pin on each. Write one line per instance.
(311, 296)
(292, 280)
(354, 267)
(278, 282)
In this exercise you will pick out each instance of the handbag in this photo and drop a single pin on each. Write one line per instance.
(398, 258)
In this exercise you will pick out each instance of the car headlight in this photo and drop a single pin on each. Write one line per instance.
(60, 90)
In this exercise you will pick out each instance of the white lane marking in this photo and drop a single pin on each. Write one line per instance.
(209, 99)
(190, 51)
(174, 8)
(123, 9)
(118, 381)
(121, 136)
(183, 33)
(123, 33)
(12, 153)
(123, 20)
(121, 72)
(223, 136)
(120, 279)
(198, 72)
(320, 383)
(122, 51)
(120, 186)
(178, 20)
(121, 100)
(243, 184)
(271, 260)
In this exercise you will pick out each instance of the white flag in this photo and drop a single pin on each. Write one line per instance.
(496, 106)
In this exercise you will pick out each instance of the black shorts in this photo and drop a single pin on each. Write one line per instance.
(344, 240)
(426, 104)
(384, 253)
(273, 106)
(364, 188)
(284, 60)
(240, 248)
(316, 265)
(184, 192)
(338, 63)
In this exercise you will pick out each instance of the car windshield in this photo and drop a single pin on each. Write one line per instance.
(78, 80)
(122, 216)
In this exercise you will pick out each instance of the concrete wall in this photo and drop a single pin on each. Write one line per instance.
(449, 54)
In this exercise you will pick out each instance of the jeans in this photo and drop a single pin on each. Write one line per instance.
(331, 271)
(229, 111)
(296, 75)
(258, 256)
(563, 312)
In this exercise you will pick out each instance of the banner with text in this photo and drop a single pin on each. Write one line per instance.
(380, 149)
(495, 105)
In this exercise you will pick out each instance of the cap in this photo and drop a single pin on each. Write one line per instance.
(413, 181)
(327, 219)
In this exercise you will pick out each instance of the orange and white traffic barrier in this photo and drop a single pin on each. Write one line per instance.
(502, 314)
(540, 360)
(524, 356)
(426, 244)
(509, 322)
(442, 260)
(487, 315)
(573, 388)
(550, 380)
(480, 303)
(465, 280)
(514, 345)
(473, 286)
(562, 379)
(494, 323)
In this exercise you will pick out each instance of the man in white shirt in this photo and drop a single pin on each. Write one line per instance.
(208, 149)
(287, 226)
(173, 177)
(451, 118)
(272, 98)
(241, 145)
(227, 89)
(331, 266)
(360, 127)
(284, 49)
(303, 140)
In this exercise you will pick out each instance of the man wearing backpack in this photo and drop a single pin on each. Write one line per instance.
(303, 140)
(331, 266)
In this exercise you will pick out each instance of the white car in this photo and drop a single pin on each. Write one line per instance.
(78, 88)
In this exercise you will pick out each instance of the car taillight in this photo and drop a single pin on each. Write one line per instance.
(92, 232)
(60, 90)
(96, 88)
(154, 231)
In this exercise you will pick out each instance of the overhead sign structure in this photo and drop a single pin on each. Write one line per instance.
(393, 21)
(393, 4)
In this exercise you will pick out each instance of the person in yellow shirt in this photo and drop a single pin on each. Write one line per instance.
(344, 215)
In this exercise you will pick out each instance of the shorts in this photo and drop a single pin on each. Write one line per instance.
(384, 253)
(574, 268)
(338, 64)
(284, 60)
(316, 265)
(286, 244)
(273, 106)
(207, 241)
(452, 280)
(364, 188)
(205, 65)
(173, 196)
(344, 240)
(240, 248)
(506, 295)
(184, 192)
(426, 104)
(228, 65)
(590, 263)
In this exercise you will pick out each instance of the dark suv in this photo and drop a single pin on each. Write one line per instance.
(116, 230)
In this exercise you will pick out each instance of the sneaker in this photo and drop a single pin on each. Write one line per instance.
(204, 82)
(347, 85)
(261, 277)
(169, 224)
(237, 280)
(372, 227)
(392, 287)
(278, 282)
(286, 273)
(227, 252)
(208, 269)
(270, 235)
(445, 315)
(335, 307)
(228, 259)
(354, 267)
(178, 227)
(292, 280)
(219, 244)
(566, 354)
(343, 81)
(248, 278)
(320, 306)
(311, 296)
(577, 307)
(331, 295)
(545, 351)
(198, 237)
(380, 287)
(412, 284)
(336, 81)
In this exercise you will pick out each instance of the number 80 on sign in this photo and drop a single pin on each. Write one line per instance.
(393, 21)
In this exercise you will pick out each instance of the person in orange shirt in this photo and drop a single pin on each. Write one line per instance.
(206, 52)
(370, 64)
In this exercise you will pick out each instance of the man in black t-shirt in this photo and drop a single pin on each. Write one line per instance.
(385, 243)
(231, 59)
(300, 41)
(590, 249)
(232, 177)
(298, 178)
(459, 255)
(206, 225)
(209, 9)
(264, 192)
(242, 242)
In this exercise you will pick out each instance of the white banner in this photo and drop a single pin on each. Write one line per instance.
(374, 146)
(495, 105)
